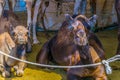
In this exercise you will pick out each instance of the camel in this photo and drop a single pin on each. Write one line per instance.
(30, 21)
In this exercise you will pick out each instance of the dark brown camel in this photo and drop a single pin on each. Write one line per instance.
(74, 45)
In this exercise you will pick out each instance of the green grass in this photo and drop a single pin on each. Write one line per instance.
(109, 40)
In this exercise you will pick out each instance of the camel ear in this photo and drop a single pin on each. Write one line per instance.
(27, 28)
(92, 20)
(70, 20)
(68, 17)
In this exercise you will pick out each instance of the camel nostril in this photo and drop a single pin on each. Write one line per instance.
(81, 34)
(21, 39)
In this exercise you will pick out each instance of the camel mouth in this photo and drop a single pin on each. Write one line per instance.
(21, 41)
(81, 42)
(80, 38)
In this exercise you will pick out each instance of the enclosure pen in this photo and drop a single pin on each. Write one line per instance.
(43, 20)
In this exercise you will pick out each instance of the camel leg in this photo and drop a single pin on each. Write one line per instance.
(11, 50)
(20, 67)
(37, 5)
(80, 5)
(83, 7)
(77, 6)
(101, 78)
(76, 73)
(100, 73)
(29, 13)
(1, 9)
(5, 73)
(42, 56)
(2, 3)
(93, 6)
(72, 77)
(12, 4)
(29, 46)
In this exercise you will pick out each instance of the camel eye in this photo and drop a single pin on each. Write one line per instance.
(13, 33)
(27, 33)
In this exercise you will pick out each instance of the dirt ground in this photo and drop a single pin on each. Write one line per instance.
(108, 38)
